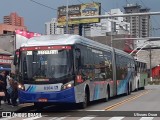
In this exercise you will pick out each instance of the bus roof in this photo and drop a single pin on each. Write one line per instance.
(66, 39)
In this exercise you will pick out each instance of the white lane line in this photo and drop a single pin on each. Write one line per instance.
(86, 118)
(8, 118)
(90, 110)
(116, 118)
(146, 118)
(32, 118)
(59, 118)
(54, 118)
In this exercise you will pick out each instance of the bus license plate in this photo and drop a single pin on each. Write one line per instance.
(42, 100)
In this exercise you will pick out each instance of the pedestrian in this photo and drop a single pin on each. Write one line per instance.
(8, 87)
(2, 86)
(14, 91)
(5, 85)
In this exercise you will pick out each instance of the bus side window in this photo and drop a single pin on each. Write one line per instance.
(136, 70)
(77, 58)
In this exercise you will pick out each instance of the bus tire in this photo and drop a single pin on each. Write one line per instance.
(85, 103)
(107, 94)
(128, 90)
(137, 86)
(131, 88)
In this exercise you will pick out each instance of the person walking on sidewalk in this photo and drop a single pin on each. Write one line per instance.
(8, 87)
(13, 91)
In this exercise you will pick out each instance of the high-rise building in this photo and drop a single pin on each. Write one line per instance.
(108, 26)
(140, 25)
(52, 27)
(11, 23)
(13, 19)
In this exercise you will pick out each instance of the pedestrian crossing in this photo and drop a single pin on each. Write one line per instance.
(68, 117)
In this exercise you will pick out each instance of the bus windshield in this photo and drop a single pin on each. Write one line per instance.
(45, 64)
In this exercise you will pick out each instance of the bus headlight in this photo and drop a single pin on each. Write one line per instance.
(68, 85)
(21, 87)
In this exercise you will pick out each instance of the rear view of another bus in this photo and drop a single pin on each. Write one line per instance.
(140, 75)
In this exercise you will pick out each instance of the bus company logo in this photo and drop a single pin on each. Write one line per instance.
(6, 114)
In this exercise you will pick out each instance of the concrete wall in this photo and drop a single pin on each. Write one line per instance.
(7, 43)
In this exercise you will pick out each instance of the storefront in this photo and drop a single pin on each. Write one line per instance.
(5, 60)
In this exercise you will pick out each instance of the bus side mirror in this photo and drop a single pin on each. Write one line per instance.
(16, 56)
(15, 60)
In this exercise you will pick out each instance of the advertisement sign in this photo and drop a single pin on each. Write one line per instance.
(89, 9)
(5, 59)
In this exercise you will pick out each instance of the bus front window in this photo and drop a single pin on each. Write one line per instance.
(50, 64)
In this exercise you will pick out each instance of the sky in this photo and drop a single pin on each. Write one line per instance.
(36, 15)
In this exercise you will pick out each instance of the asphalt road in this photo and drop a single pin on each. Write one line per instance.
(140, 105)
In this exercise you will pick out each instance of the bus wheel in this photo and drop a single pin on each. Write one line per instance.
(84, 104)
(137, 86)
(128, 90)
(107, 95)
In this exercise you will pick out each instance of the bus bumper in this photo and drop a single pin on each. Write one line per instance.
(65, 96)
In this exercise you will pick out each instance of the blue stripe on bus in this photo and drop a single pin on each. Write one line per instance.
(96, 92)
(28, 88)
(67, 96)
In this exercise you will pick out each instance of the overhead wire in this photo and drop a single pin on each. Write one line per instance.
(43, 5)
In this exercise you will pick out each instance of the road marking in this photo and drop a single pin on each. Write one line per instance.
(86, 118)
(126, 100)
(147, 118)
(32, 118)
(59, 118)
(54, 118)
(8, 118)
(92, 110)
(26, 104)
(116, 118)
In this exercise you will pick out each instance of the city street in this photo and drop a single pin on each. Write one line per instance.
(137, 104)
(80, 60)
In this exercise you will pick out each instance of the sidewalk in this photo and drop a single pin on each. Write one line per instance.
(9, 108)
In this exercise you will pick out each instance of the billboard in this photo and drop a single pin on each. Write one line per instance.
(5, 59)
(88, 9)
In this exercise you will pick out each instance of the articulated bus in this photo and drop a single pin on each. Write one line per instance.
(141, 75)
(72, 69)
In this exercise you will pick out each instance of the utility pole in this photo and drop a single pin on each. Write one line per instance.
(150, 60)
(111, 33)
(67, 18)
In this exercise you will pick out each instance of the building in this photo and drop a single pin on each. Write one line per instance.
(52, 27)
(13, 19)
(11, 23)
(10, 29)
(108, 26)
(140, 25)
